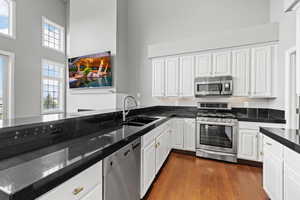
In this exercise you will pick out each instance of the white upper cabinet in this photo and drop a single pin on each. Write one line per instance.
(261, 76)
(203, 65)
(158, 77)
(222, 63)
(241, 72)
(187, 66)
(172, 77)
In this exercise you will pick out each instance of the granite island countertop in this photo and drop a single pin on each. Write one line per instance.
(288, 137)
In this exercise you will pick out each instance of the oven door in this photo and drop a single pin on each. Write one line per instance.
(206, 89)
(220, 137)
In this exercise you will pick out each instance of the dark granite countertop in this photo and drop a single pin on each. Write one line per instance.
(53, 148)
(50, 166)
(287, 137)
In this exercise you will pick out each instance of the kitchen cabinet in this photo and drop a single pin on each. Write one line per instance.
(248, 145)
(189, 143)
(241, 72)
(87, 185)
(158, 77)
(273, 169)
(222, 63)
(291, 174)
(148, 167)
(172, 77)
(261, 71)
(156, 146)
(177, 133)
(203, 65)
(187, 76)
(250, 142)
(95, 194)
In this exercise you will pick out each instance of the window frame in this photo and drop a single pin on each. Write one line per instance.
(12, 22)
(9, 99)
(62, 84)
(45, 20)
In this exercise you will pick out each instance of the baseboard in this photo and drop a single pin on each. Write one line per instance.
(250, 163)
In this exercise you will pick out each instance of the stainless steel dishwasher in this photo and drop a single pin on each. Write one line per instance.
(122, 173)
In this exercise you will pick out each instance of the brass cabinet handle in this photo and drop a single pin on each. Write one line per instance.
(77, 190)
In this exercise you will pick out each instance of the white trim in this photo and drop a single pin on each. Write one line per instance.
(288, 95)
(62, 36)
(12, 22)
(9, 100)
(62, 89)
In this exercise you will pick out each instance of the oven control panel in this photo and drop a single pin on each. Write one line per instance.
(216, 120)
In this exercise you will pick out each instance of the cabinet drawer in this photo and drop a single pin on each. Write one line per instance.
(78, 186)
(274, 147)
(292, 159)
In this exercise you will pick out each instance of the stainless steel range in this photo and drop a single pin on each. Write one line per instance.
(216, 132)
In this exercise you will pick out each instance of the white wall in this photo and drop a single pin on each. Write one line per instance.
(287, 37)
(29, 51)
(156, 21)
(92, 29)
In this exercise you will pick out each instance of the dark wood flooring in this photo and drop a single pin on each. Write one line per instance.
(187, 177)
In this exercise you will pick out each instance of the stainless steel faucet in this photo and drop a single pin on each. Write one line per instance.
(125, 113)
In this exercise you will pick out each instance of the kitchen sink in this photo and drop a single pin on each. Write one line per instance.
(139, 121)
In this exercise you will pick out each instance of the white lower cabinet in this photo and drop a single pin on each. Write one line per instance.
(85, 186)
(177, 133)
(272, 170)
(248, 145)
(148, 167)
(156, 146)
(250, 142)
(189, 137)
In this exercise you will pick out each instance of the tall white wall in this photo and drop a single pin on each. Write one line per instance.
(287, 37)
(29, 52)
(96, 26)
(156, 21)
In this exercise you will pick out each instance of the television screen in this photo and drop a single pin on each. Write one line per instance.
(91, 71)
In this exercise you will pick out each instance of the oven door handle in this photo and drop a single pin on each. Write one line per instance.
(216, 123)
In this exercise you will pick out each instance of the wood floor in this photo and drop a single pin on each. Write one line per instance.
(186, 177)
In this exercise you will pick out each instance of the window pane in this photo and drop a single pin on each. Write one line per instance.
(4, 16)
(53, 35)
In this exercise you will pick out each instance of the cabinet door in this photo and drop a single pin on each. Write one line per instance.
(261, 76)
(158, 78)
(203, 66)
(187, 76)
(160, 152)
(241, 72)
(177, 134)
(291, 184)
(189, 136)
(95, 194)
(148, 167)
(172, 77)
(222, 63)
(248, 145)
(273, 175)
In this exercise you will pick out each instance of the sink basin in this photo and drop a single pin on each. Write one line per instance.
(139, 121)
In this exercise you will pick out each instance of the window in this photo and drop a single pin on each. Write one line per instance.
(6, 84)
(52, 87)
(53, 35)
(7, 17)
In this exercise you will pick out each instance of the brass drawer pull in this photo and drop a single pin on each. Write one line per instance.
(269, 144)
(78, 190)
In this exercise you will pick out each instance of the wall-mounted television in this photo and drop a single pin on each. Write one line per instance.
(90, 71)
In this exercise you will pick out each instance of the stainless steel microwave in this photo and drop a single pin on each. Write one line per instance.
(213, 86)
